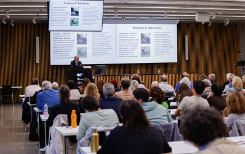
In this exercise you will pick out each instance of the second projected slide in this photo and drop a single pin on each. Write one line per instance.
(116, 44)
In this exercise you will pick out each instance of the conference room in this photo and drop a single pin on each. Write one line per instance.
(122, 76)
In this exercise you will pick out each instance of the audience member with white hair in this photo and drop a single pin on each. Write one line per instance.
(184, 74)
(154, 84)
(55, 86)
(48, 96)
(134, 84)
(166, 88)
(207, 89)
(31, 89)
(211, 77)
(110, 102)
(227, 80)
(186, 81)
(230, 83)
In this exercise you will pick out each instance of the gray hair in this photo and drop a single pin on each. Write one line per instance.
(154, 84)
(243, 77)
(207, 83)
(211, 77)
(134, 85)
(46, 85)
(186, 81)
(232, 76)
(55, 86)
(125, 83)
(108, 89)
(228, 75)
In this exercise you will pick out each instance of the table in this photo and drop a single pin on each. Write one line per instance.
(15, 87)
(64, 132)
(171, 98)
(44, 119)
(31, 105)
(174, 104)
(87, 150)
(172, 111)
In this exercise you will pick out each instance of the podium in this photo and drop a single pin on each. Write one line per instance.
(77, 74)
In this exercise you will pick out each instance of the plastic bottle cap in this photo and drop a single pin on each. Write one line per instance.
(73, 111)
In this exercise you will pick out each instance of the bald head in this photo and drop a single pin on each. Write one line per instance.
(154, 84)
(184, 74)
(164, 78)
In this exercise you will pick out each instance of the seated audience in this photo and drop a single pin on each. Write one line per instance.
(184, 90)
(65, 106)
(211, 77)
(155, 112)
(227, 80)
(100, 84)
(207, 89)
(186, 81)
(133, 85)
(31, 89)
(237, 85)
(110, 102)
(230, 83)
(125, 94)
(48, 96)
(191, 102)
(154, 84)
(95, 117)
(236, 108)
(75, 94)
(158, 96)
(184, 74)
(166, 88)
(55, 86)
(114, 82)
(215, 98)
(85, 82)
(141, 85)
(91, 89)
(205, 129)
(136, 136)
(202, 77)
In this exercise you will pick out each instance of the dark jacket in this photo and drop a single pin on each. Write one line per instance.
(63, 108)
(110, 103)
(125, 141)
(101, 95)
(117, 89)
(218, 102)
(73, 63)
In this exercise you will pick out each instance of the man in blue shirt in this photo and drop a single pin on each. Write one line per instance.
(184, 74)
(48, 96)
(110, 102)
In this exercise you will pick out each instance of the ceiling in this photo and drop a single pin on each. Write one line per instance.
(184, 11)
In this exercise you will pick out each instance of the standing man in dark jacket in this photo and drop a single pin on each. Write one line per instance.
(76, 62)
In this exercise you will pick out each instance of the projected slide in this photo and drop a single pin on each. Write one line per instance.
(77, 15)
(116, 44)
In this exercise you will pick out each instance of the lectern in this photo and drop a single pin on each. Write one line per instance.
(77, 74)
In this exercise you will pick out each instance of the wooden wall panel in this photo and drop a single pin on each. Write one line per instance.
(211, 49)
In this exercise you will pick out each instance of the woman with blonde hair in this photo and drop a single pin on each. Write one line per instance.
(85, 82)
(237, 85)
(236, 108)
(91, 89)
(133, 85)
(100, 84)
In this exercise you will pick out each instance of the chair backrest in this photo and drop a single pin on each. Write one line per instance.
(7, 90)
(170, 131)
(171, 94)
(238, 128)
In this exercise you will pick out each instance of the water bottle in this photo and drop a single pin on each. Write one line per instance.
(138, 72)
(94, 140)
(158, 71)
(73, 119)
(45, 109)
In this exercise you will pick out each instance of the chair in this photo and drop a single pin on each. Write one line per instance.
(7, 91)
(238, 128)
